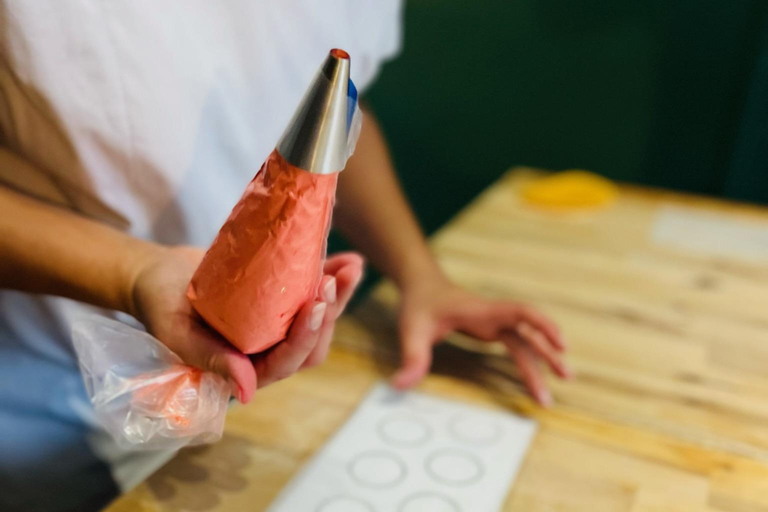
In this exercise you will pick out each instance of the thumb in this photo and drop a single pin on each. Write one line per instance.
(209, 352)
(416, 337)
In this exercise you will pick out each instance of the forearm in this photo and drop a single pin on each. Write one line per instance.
(374, 216)
(49, 250)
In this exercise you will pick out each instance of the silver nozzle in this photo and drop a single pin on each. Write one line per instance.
(316, 137)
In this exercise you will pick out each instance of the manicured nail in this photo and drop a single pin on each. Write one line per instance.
(318, 313)
(329, 292)
(236, 391)
(357, 280)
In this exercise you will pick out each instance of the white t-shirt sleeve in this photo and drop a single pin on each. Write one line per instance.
(390, 40)
(379, 24)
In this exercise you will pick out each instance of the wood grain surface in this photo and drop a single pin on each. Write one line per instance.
(668, 410)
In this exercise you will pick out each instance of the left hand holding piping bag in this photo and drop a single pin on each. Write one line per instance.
(172, 389)
(160, 303)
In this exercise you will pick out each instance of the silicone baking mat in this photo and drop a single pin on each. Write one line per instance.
(410, 452)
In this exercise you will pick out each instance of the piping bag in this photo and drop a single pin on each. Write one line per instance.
(267, 260)
(263, 266)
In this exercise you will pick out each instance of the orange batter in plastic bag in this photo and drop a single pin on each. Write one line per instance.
(173, 398)
(267, 258)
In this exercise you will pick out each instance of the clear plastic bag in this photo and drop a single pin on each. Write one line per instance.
(142, 393)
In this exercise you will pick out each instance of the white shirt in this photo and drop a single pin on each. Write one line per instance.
(153, 116)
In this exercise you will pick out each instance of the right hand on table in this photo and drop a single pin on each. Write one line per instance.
(159, 302)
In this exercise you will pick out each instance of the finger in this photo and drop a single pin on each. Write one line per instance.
(547, 326)
(541, 346)
(327, 290)
(347, 280)
(208, 351)
(288, 356)
(339, 260)
(529, 371)
(320, 352)
(511, 312)
(416, 338)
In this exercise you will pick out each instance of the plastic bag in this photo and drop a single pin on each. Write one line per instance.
(142, 393)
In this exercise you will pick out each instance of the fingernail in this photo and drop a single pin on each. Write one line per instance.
(236, 391)
(329, 292)
(316, 319)
(545, 398)
(358, 279)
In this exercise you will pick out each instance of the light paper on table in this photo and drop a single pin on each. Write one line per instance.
(711, 233)
(409, 452)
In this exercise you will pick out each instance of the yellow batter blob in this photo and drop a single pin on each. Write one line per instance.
(571, 189)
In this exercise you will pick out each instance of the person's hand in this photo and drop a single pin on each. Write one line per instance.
(160, 303)
(435, 307)
(308, 342)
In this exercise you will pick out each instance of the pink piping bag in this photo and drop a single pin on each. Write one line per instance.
(266, 261)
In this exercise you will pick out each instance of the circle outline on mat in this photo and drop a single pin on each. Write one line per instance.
(400, 464)
(329, 501)
(381, 431)
(461, 453)
(497, 432)
(422, 494)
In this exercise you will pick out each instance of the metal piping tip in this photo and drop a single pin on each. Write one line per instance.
(316, 137)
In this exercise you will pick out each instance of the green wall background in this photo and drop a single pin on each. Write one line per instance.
(665, 93)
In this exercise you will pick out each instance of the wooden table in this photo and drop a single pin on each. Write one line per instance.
(669, 409)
